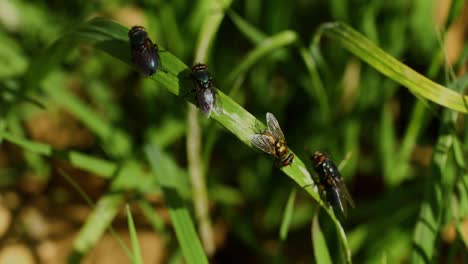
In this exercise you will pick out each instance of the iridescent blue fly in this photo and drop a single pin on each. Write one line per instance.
(332, 183)
(144, 53)
(205, 89)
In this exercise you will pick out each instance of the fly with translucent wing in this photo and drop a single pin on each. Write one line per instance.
(144, 53)
(205, 89)
(272, 142)
(331, 182)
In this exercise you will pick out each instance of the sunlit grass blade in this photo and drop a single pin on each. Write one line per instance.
(383, 62)
(181, 220)
(287, 216)
(321, 252)
(112, 39)
(77, 255)
(133, 237)
(100, 219)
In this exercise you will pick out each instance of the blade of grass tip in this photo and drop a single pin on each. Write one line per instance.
(287, 216)
(154, 219)
(181, 220)
(92, 164)
(321, 252)
(206, 36)
(252, 33)
(133, 238)
(315, 89)
(234, 118)
(383, 62)
(267, 46)
(97, 222)
(87, 237)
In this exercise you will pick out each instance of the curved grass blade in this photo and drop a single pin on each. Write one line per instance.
(263, 48)
(133, 237)
(321, 252)
(100, 219)
(78, 254)
(383, 62)
(206, 36)
(111, 38)
(316, 89)
(92, 164)
(287, 216)
(181, 220)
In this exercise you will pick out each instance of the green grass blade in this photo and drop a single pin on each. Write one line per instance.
(181, 220)
(287, 216)
(154, 219)
(265, 47)
(321, 252)
(100, 219)
(316, 88)
(421, 86)
(254, 35)
(206, 37)
(430, 216)
(133, 237)
(115, 141)
(112, 39)
(83, 161)
(77, 255)
(209, 28)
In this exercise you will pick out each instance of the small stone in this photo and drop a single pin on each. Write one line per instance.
(16, 253)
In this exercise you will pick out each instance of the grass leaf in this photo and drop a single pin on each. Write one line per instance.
(321, 252)
(112, 39)
(287, 216)
(383, 62)
(133, 237)
(181, 220)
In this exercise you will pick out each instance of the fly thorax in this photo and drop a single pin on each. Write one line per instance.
(281, 148)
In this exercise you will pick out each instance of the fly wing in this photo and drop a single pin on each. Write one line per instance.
(263, 142)
(344, 193)
(146, 59)
(274, 127)
(218, 105)
(205, 100)
(336, 201)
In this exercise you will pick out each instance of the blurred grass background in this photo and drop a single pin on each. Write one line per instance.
(91, 117)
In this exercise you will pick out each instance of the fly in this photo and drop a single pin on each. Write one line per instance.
(331, 182)
(144, 53)
(205, 89)
(272, 142)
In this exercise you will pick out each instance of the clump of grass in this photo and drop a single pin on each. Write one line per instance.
(261, 63)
